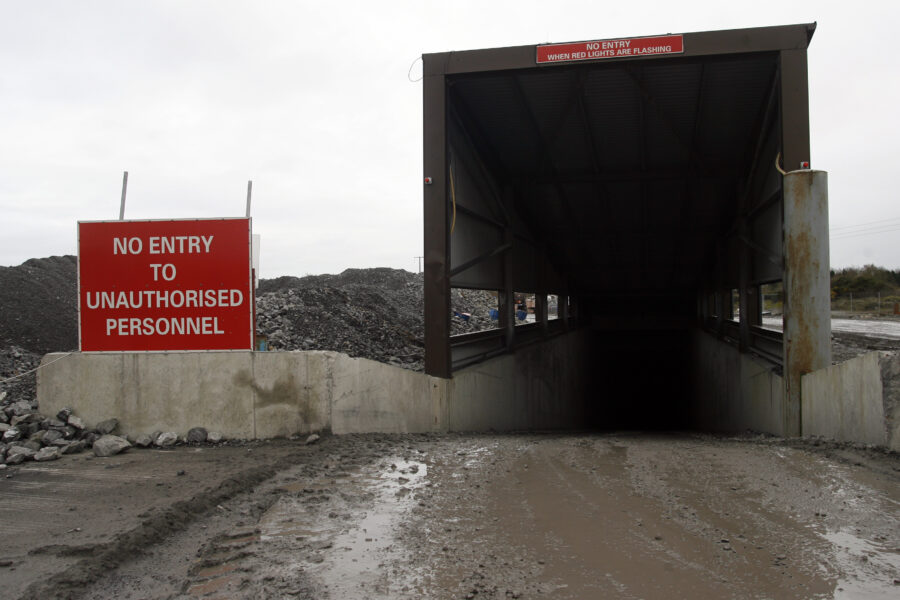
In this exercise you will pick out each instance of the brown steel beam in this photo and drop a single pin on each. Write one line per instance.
(543, 143)
(602, 191)
(479, 259)
(696, 44)
(767, 112)
(794, 109)
(556, 129)
(686, 221)
(698, 161)
(436, 228)
(506, 297)
(484, 150)
(717, 174)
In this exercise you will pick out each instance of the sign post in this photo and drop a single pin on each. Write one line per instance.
(165, 285)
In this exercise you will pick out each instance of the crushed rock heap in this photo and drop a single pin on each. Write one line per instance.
(369, 313)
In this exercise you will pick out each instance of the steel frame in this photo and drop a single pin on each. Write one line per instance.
(788, 100)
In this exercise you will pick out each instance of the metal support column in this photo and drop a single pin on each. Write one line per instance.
(744, 293)
(540, 310)
(807, 286)
(437, 235)
(507, 296)
(794, 109)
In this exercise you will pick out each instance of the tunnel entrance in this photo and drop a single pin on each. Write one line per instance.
(640, 190)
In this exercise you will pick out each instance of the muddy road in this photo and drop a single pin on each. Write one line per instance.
(615, 515)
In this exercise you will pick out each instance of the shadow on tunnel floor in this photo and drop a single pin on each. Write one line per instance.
(641, 381)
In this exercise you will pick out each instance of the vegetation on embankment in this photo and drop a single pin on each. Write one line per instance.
(865, 289)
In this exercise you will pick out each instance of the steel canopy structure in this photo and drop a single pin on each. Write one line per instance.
(641, 189)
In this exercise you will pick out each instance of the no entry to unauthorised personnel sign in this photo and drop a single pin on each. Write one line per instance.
(165, 285)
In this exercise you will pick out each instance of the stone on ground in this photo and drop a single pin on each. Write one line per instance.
(48, 453)
(109, 445)
(166, 439)
(106, 427)
(197, 435)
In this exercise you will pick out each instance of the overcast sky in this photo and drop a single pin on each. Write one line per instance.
(312, 101)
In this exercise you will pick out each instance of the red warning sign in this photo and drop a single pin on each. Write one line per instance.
(165, 285)
(622, 48)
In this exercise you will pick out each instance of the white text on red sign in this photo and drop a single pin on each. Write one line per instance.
(622, 48)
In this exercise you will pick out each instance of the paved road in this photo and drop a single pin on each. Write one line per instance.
(876, 329)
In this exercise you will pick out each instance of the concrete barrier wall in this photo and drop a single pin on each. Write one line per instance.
(369, 396)
(855, 401)
(541, 386)
(734, 391)
(275, 394)
(242, 394)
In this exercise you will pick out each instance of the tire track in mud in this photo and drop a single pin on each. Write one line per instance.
(517, 516)
(332, 534)
(100, 559)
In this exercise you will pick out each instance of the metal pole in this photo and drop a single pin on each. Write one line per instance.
(807, 287)
(122, 203)
(249, 193)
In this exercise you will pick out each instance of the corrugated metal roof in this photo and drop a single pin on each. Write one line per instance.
(633, 167)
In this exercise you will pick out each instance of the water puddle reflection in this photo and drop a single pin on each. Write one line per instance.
(872, 571)
(348, 546)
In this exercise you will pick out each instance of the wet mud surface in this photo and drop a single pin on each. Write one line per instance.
(625, 515)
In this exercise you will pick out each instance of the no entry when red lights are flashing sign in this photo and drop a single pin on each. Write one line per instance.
(165, 285)
(621, 48)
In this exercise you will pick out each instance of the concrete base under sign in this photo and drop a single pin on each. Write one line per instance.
(246, 395)
(258, 395)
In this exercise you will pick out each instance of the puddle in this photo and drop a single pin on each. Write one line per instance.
(346, 549)
(871, 569)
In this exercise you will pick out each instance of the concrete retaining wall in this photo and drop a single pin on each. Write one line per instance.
(241, 394)
(855, 401)
(274, 394)
(541, 386)
(734, 391)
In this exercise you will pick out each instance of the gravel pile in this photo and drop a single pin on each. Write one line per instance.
(471, 311)
(39, 304)
(26, 434)
(368, 313)
(15, 364)
(29, 435)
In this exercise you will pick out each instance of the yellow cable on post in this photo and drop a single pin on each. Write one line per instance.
(778, 164)
(453, 199)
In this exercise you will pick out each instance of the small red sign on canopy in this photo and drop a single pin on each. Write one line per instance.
(165, 285)
(621, 48)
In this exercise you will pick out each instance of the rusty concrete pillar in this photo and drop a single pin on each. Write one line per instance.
(807, 286)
